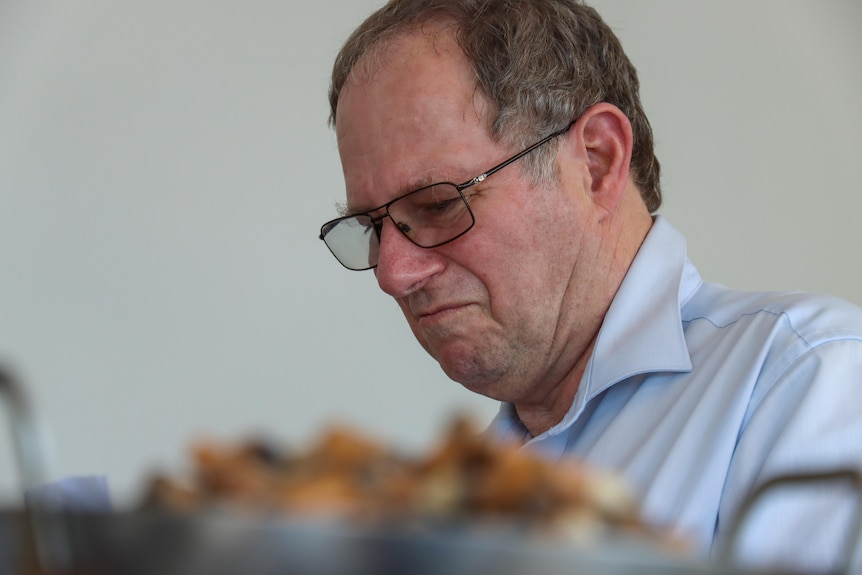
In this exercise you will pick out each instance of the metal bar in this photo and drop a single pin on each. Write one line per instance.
(30, 441)
(853, 477)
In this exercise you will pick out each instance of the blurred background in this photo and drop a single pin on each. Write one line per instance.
(165, 166)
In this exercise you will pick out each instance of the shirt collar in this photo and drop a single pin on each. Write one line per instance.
(642, 330)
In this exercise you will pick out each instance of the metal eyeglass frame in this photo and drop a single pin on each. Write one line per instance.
(325, 228)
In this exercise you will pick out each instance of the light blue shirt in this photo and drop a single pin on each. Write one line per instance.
(697, 394)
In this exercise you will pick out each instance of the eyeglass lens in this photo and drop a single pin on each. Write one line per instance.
(429, 217)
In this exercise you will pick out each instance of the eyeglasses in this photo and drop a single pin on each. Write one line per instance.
(429, 217)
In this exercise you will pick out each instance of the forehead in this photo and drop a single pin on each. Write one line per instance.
(411, 114)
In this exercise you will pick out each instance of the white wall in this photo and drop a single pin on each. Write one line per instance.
(165, 166)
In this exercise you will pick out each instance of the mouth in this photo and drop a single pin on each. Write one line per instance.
(439, 313)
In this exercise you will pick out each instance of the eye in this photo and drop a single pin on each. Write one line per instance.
(437, 207)
(435, 202)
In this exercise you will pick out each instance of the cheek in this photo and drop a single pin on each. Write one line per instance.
(534, 265)
(512, 268)
(533, 242)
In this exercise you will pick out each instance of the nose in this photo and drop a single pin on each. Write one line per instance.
(402, 266)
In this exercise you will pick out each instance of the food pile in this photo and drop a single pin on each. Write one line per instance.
(345, 474)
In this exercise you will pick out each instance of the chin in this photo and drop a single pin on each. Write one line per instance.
(473, 376)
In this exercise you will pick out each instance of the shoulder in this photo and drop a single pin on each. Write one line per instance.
(814, 318)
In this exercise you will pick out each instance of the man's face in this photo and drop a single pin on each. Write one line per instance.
(499, 307)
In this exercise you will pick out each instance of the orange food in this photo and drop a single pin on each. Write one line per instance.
(465, 477)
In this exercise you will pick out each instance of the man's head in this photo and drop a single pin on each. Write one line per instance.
(511, 307)
(540, 63)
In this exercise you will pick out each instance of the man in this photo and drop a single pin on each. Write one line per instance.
(502, 184)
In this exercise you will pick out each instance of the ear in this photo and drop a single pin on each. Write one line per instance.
(606, 136)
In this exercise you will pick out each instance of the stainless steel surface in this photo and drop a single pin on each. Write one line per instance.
(228, 544)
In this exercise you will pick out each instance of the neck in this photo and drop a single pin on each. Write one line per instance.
(540, 417)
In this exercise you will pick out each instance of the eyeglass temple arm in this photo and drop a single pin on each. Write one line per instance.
(515, 158)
